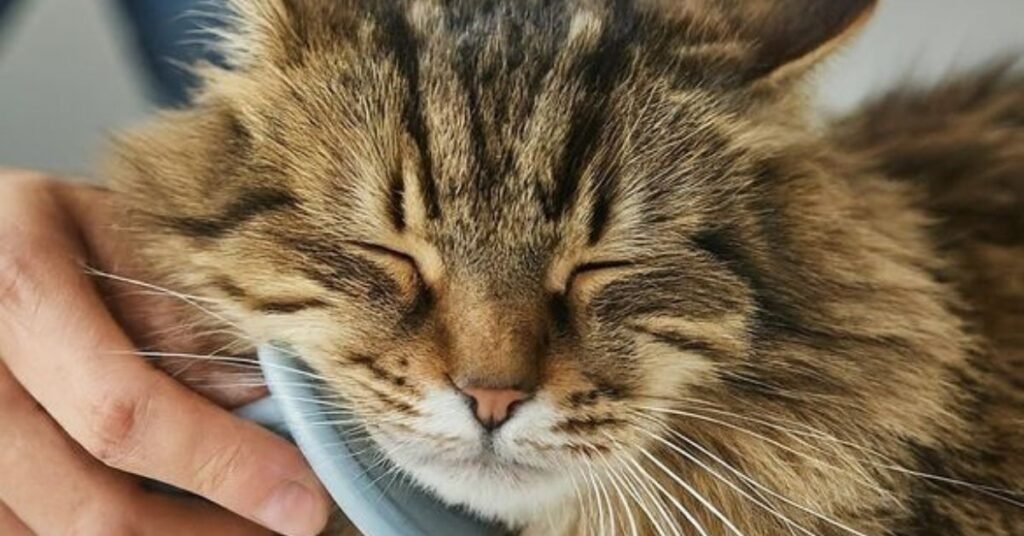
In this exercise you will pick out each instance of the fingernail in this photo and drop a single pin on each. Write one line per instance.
(294, 510)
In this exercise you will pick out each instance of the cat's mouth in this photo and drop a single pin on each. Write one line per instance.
(476, 456)
(487, 482)
(489, 460)
(500, 474)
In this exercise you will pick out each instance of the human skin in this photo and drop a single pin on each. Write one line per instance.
(83, 417)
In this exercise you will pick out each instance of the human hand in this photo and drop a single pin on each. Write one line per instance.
(82, 417)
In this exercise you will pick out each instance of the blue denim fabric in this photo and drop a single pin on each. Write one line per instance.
(165, 36)
(4, 5)
(167, 33)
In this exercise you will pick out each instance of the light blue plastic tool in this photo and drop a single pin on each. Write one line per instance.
(377, 504)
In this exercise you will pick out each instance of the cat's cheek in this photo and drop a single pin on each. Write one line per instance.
(667, 371)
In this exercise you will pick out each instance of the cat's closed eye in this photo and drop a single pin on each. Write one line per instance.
(378, 249)
(401, 265)
(588, 271)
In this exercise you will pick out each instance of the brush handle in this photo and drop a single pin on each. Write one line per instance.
(266, 413)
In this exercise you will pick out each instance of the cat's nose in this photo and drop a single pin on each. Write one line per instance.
(493, 407)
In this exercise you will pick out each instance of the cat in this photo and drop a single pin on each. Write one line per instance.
(589, 267)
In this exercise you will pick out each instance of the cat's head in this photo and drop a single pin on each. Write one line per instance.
(567, 216)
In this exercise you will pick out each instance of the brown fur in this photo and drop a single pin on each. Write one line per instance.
(621, 207)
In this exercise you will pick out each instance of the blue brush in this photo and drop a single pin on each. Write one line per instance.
(378, 505)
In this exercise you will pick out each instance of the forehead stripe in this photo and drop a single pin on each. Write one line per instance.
(600, 210)
(598, 72)
(403, 47)
(396, 200)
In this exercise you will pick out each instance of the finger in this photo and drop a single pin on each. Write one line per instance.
(156, 320)
(88, 498)
(10, 524)
(34, 455)
(160, 515)
(129, 415)
(153, 320)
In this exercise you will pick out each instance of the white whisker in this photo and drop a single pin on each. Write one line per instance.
(671, 497)
(618, 491)
(724, 480)
(658, 503)
(692, 492)
(758, 485)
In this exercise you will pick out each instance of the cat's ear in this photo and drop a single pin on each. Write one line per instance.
(788, 37)
(760, 42)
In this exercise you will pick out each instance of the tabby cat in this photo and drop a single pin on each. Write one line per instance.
(589, 267)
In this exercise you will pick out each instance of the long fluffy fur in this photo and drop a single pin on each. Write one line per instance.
(729, 321)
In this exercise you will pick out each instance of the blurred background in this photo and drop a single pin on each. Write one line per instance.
(72, 71)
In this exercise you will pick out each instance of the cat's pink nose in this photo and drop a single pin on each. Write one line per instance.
(493, 406)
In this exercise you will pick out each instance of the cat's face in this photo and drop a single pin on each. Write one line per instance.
(579, 203)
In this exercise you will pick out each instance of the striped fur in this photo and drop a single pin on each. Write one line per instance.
(726, 319)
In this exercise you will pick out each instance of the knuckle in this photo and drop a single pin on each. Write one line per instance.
(20, 245)
(117, 427)
(212, 475)
(15, 180)
(22, 184)
(17, 295)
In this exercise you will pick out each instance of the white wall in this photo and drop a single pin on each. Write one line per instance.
(922, 40)
(65, 82)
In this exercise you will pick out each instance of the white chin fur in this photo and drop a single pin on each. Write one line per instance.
(485, 492)
(514, 495)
